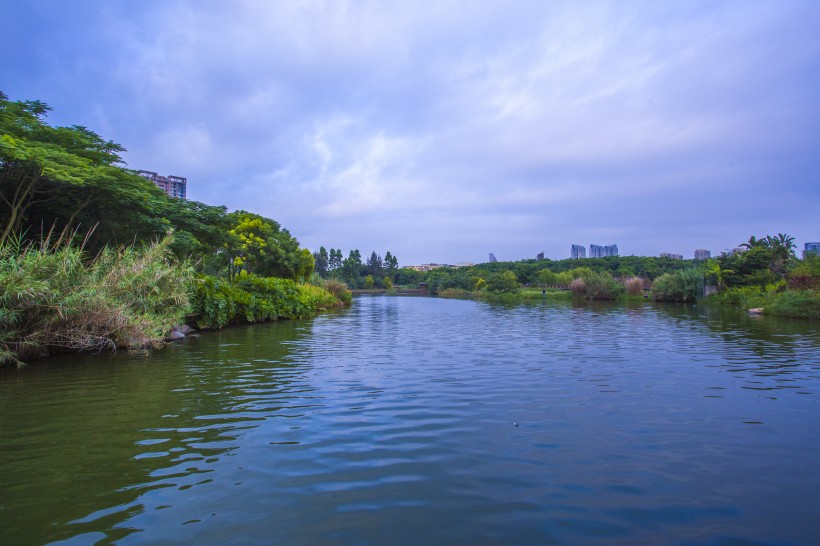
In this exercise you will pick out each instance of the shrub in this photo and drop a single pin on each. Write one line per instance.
(742, 296)
(796, 303)
(684, 286)
(601, 286)
(578, 287)
(218, 302)
(339, 290)
(634, 286)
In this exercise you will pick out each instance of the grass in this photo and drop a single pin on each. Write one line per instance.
(53, 297)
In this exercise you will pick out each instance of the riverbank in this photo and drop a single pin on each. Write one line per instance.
(800, 304)
(53, 299)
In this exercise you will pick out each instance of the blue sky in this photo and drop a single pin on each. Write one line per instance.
(443, 131)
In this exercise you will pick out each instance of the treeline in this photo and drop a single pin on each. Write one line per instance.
(536, 272)
(375, 272)
(765, 273)
(66, 192)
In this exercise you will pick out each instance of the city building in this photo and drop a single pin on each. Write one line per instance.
(539, 256)
(175, 186)
(578, 251)
(702, 254)
(672, 256)
(597, 251)
(611, 250)
(813, 248)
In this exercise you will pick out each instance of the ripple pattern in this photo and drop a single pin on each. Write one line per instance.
(410, 420)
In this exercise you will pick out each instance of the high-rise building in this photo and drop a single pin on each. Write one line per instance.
(175, 186)
(578, 251)
(813, 247)
(539, 256)
(702, 254)
(611, 250)
(598, 251)
(672, 256)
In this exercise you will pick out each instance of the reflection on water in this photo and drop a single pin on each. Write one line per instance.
(420, 420)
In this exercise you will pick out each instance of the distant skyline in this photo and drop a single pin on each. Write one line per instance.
(443, 131)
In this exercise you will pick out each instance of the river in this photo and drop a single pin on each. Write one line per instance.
(410, 420)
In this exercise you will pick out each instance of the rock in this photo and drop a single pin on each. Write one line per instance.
(174, 335)
(185, 329)
(756, 311)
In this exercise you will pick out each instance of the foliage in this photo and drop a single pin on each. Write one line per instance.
(797, 304)
(634, 286)
(578, 287)
(217, 302)
(51, 298)
(680, 286)
(742, 296)
(597, 286)
(339, 290)
(503, 282)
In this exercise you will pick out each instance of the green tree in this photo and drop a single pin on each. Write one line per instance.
(505, 281)
(375, 265)
(322, 261)
(391, 264)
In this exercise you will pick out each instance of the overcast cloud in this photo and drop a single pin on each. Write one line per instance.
(443, 131)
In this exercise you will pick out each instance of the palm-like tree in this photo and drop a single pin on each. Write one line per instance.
(754, 242)
(713, 268)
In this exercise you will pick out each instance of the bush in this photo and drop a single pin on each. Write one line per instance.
(743, 296)
(684, 286)
(578, 287)
(217, 302)
(339, 290)
(634, 286)
(797, 304)
(601, 286)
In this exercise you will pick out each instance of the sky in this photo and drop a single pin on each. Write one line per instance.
(442, 131)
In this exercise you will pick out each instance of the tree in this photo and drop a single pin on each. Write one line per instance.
(322, 261)
(39, 163)
(391, 264)
(247, 243)
(713, 269)
(351, 267)
(506, 281)
(374, 265)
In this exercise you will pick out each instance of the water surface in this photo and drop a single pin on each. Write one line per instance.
(427, 421)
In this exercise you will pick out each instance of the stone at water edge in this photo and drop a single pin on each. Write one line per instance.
(755, 311)
(174, 335)
(185, 329)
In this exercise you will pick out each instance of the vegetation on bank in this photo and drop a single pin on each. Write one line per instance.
(763, 273)
(145, 260)
(52, 297)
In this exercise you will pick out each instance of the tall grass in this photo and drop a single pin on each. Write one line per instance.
(53, 297)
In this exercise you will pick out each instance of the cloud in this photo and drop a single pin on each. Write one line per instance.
(444, 130)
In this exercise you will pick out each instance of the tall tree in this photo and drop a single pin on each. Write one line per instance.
(391, 264)
(374, 265)
(321, 260)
